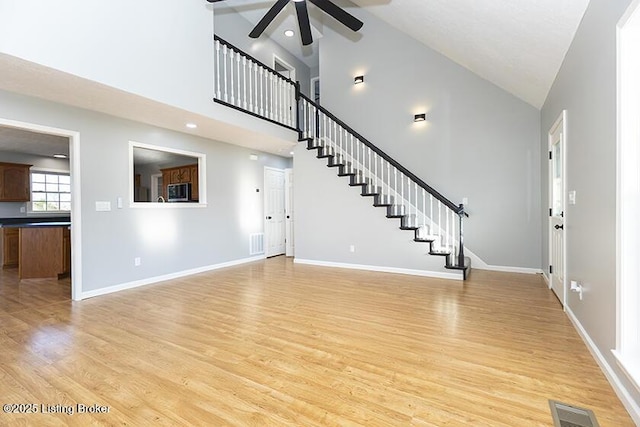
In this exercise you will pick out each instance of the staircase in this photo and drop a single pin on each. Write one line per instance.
(246, 84)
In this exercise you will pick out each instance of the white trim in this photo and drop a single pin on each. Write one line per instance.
(285, 64)
(546, 279)
(411, 272)
(630, 366)
(159, 205)
(619, 388)
(74, 170)
(170, 276)
(30, 211)
(478, 264)
(562, 118)
(508, 269)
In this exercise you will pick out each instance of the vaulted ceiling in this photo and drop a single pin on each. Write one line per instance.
(518, 45)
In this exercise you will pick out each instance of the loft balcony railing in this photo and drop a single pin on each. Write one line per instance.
(244, 83)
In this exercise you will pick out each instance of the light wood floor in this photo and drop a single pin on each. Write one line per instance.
(277, 344)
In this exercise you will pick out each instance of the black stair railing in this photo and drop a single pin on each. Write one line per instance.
(244, 83)
(433, 217)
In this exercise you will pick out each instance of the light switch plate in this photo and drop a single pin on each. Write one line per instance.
(103, 206)
(572, 197)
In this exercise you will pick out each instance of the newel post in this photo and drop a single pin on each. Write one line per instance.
(298, 107)
(461, 236)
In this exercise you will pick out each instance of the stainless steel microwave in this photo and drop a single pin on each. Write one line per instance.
(179, 192)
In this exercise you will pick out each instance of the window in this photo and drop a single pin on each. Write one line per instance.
(50, 192)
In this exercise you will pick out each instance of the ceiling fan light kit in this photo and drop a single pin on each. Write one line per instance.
(302, 14)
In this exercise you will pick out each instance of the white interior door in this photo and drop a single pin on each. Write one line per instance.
(274, 212)
(557, 243)
(288, 202)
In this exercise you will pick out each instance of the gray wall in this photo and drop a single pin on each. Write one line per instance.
(12, 209)
(167, 240)
(235, 29)
(331, 216)
(479, 142)
(586, 88)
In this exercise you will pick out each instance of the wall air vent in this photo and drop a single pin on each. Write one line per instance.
(256, 244)
(565, 415)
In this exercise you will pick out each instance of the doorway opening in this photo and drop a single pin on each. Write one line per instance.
(285, 69)
(40, 143)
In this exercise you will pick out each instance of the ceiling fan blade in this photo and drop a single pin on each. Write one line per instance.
(303, 22)
(338, 13)
(267, 18)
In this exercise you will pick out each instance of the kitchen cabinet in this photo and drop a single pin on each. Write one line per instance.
(14, 182)
(180, 175)
(194, 183)
(10, 247)
(45, 252)
(66, 252)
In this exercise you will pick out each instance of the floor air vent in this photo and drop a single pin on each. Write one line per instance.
(565, 415)
(256, 243)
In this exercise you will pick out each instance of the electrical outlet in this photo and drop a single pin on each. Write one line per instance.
(23, 209)
(352, 248)
(137, 261)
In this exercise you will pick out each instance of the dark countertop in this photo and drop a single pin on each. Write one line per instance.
(37, 224)
(28, 221)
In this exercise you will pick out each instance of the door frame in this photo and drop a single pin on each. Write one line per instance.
(289, 212)
(74, 172)
(285, 64)
(264, 209)
(560, 121)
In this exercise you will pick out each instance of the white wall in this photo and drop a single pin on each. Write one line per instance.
(159, 49)
(586, 88)
(167, 240)
(480, 142)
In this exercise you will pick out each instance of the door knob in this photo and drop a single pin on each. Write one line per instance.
(268, 217)
(559, 227)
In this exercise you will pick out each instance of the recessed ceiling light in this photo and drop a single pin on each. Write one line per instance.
(60, 156)
(191, 125)
(289, 33)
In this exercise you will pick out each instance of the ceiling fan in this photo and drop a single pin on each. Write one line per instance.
(327, 6)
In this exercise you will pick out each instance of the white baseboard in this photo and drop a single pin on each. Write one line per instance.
(156, 279)
(546, 279)
(623, 394)
(506, 269)
(478, 264)
(411, 272)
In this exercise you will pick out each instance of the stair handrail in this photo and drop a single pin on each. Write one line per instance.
(458, 209)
